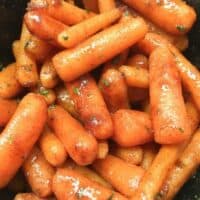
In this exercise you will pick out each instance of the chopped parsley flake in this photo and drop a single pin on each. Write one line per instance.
(65, 37)
(181, 130)
(106, 82)
(181, 28)
(76, 91)
(44, 92)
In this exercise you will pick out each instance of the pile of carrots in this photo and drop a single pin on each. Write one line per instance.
(100, 103)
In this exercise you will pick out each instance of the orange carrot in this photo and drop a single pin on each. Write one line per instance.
(91, 107)
(135, 76)
(28, 196)
(9, 85)
(123, 177)
(114, 90)
(105, 6)
(39, 173)
(139, 60)
(7, 109)
(71, 64)
(103, 149)
(62, 11)
(91, 5)
(43, 26)
(76, 34)
(38, 49)
(48, 76)
(17, 140)
(26, 73)
(131, 128)
(15, 48)
(168, 110)
(175, 17)
(81, 146)
(52, 148)
(69, 184)
(189, 73)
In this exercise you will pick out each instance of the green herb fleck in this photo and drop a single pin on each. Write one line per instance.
(106, 82)
(44, 92)
(181, 130)
(181, 28)
(26, 44)
(65, 37)
(76, 91)
(111, 197)
(52, 106)
(1, 66)
(126, 13)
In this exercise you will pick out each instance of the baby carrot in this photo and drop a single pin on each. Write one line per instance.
(28, 196)
(189, 73)
(7, 109)
(91, 107)
(168, 111)
(43, 26)
(39, 173)
(107, 5)
(135, 76)
(138, 60)
(17, 140)
(70, 64)
(131, 128)
(65, 12)
(52, 148)
(123, 177)
(69, 184)
(81, 146)
(15, 48)
(103, 149)
(74, 35)
(26, 73)
(175, 17)
(114, 90)
(9, 85)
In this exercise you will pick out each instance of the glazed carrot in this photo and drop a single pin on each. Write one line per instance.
(150, 152)
(131, 128)
(70, 1)
(122, 176)
(193, 114)
(132, 155)
(58, 9)
(175, 17)
(9, 85)
(179, 41)
(65, 180)
(135, 76)
(81, 146)
(38, 49)
(43, 26)
(183, 169)
(48, 94)
(138, 60)
(7, 109)
(157, 173)
(88, 173)
(70, 64)
(189, 73)
(103, 149)
(168, 112)
(64, 99)
(76, 34)
(28, 196)
(15, 48)
(105, 6)
(52, 148)
(91, 107)
(39, 173)
(137, 94)
(114, 90)
(48, 76)
(17, 140)
(26, 74)
(91, 5)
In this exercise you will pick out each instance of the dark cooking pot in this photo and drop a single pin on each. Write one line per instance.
(10, 22)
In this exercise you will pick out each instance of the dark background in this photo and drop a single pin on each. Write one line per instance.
(11, 12)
